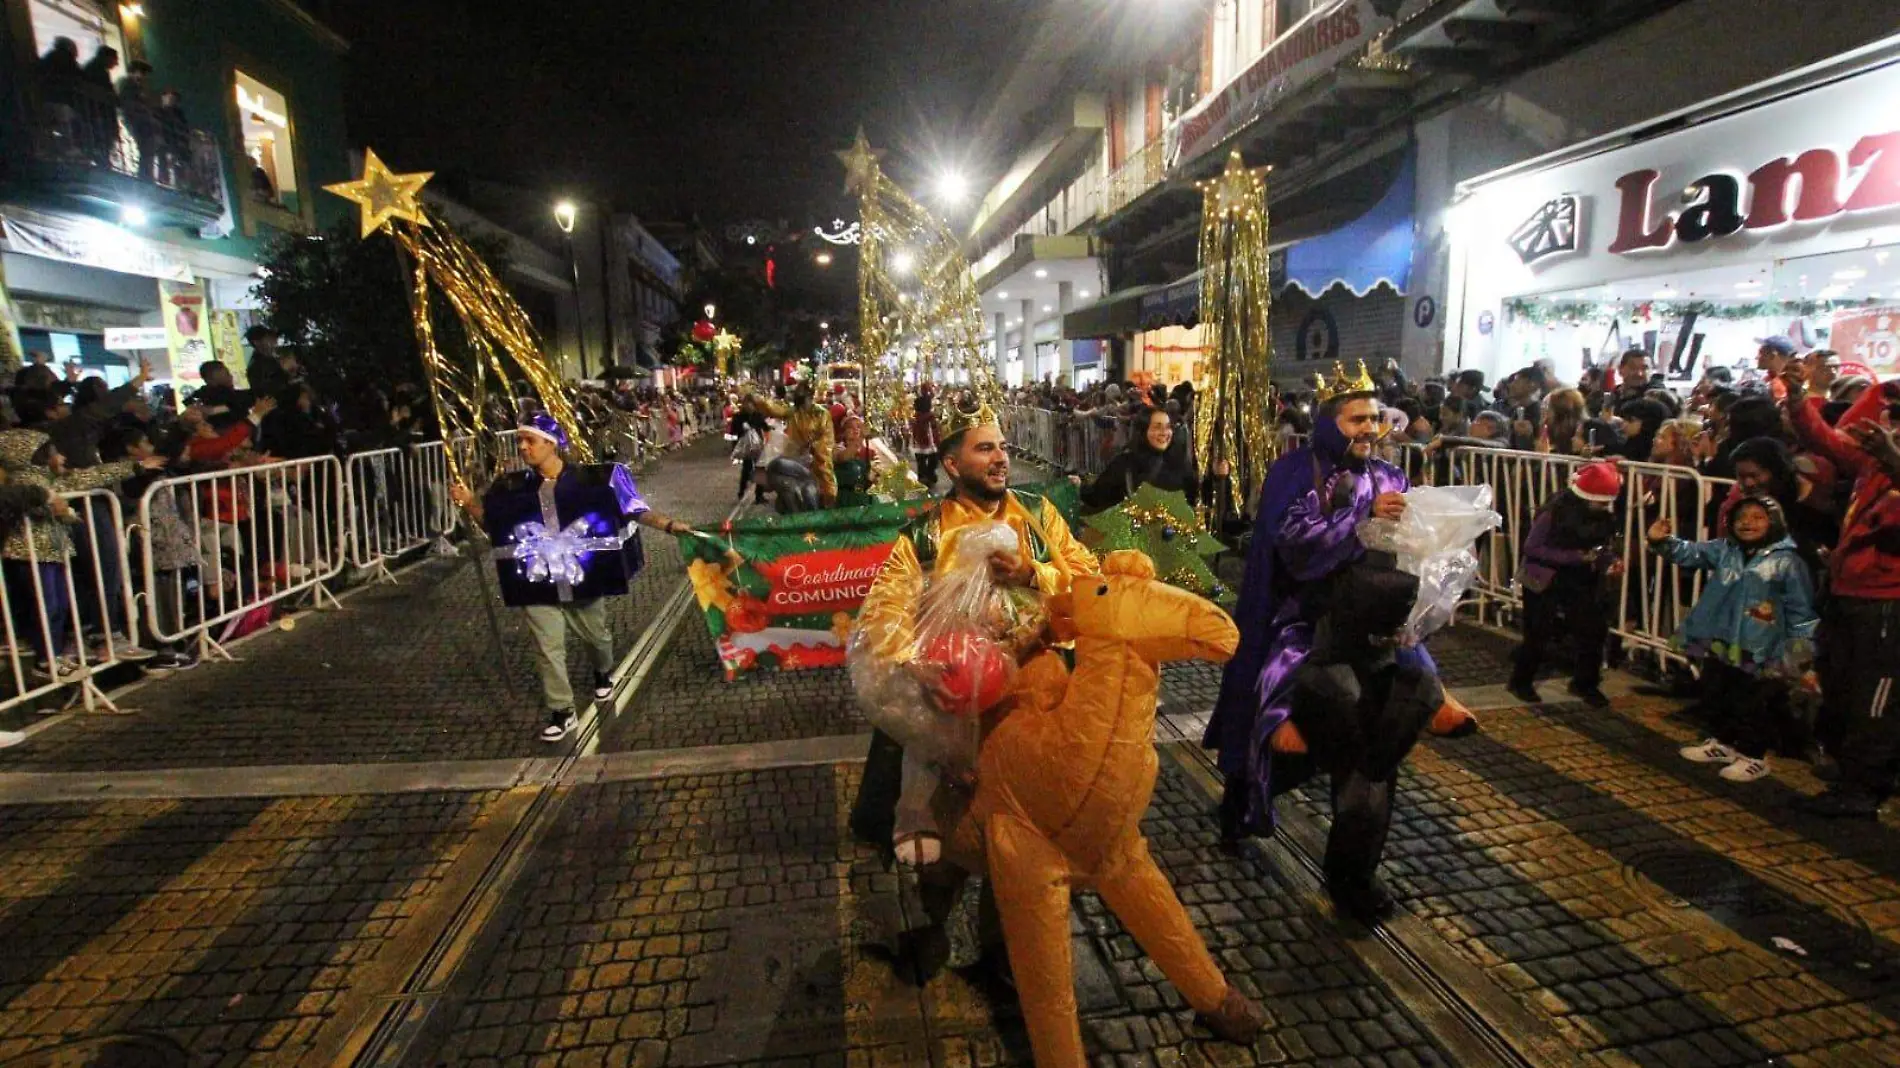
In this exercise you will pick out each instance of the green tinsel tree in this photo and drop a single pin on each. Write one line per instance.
(1162, 525)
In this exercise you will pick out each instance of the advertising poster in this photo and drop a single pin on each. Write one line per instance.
(12, 355)
(187, 315)
(1869, 336)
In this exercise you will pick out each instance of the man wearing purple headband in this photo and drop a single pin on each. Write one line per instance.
(564, 540)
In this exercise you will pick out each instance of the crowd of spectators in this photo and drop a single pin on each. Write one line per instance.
(1780, 478)
(222, 542)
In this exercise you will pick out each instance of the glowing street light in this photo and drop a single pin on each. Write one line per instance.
(824, 324)
(564, 215)
(902, 261)
(952, 188)
(133, 215)
(823, 259)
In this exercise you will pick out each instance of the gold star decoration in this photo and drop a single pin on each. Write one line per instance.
(383, 194)
(860, 165)
(811, 537)
(1238, 188)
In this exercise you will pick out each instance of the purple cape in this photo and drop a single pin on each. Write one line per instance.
(1296, 543)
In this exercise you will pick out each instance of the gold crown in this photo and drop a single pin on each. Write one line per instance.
(1342, 386)
(953, 420)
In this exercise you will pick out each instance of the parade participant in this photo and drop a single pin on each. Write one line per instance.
(853, 465)
(531, 516)
(803, 470)
(1294, 552)
(976, 457)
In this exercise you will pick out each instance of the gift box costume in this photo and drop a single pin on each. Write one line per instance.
(561, 545)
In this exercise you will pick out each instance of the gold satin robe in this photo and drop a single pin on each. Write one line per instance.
(808, 430)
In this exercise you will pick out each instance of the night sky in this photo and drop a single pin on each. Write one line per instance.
(727, 108)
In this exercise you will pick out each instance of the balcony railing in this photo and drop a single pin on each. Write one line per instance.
(1065, 213)
(73, 135)
(1139, 173)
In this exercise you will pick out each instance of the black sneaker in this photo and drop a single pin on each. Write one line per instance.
(603, 686)
(1589, 695)
(1525, 693)
(560, 724)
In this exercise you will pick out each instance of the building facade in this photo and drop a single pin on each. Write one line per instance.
(1378, 116)
(148, 153)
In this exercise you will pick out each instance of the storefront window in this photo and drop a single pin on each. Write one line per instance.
(269, 167)
(89, 24)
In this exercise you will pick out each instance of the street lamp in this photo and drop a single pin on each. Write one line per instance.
(952, 187)
(823, 259)
(564, 215)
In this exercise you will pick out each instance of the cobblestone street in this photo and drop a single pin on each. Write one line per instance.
(348, 847)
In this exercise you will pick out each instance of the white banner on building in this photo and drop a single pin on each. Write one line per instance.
(88, 243)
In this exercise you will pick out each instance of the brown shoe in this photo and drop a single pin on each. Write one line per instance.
(1238, 1020)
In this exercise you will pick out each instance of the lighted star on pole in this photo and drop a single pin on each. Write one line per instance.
(383, 194)
(860, 165)
(1238, 188)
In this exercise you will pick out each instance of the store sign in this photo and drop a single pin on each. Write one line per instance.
(132, 339)
(1807, 174)
(1870, 337)
(187, 329)
(60, 316)
(1316, 45)
(1821, 182)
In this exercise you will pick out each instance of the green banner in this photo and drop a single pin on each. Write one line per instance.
(792, 602)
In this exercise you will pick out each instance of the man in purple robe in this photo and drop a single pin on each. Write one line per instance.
(1305, 538)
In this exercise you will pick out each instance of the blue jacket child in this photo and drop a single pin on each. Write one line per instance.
(1757, 610)
(1752, 630)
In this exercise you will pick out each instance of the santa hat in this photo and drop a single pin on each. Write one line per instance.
(1599, 482)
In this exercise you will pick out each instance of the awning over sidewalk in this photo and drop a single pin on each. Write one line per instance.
(1355, 231)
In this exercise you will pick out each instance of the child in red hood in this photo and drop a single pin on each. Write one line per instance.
(1860, 626)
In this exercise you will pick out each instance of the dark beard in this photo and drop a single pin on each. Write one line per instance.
(976, 488)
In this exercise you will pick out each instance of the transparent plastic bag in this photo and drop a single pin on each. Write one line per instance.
(963, 641)
(1435, 540)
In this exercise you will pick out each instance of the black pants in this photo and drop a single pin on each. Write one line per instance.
(1572, 610)
(746, 466)
(1860, 639)
(927, 469)
(1362, 814)
(1746, 712)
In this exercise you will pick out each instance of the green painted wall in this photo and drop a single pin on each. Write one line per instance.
(193, 45)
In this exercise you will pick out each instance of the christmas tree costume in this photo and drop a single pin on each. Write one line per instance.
(1062, 785)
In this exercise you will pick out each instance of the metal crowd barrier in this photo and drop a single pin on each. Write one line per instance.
(1653, 596)
(223, 545)
(399, 502)
(67, 613)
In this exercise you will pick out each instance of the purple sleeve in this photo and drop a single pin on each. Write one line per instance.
(1313, 543)
(1537, 547)
(628, 494)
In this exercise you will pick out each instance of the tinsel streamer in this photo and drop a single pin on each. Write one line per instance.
(502, 346)
(919, 315)
(1235, 425)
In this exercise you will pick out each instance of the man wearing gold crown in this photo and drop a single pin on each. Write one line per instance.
(1306, 534)
(893, 806)
(804, 471)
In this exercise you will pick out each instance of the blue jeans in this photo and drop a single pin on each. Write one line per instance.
(24, 601)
